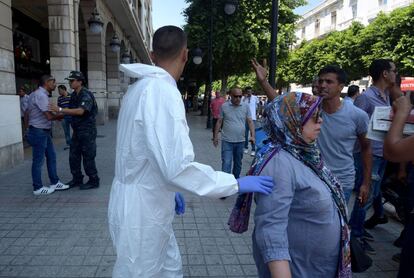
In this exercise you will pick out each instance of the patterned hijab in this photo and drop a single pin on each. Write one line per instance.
(285, 117)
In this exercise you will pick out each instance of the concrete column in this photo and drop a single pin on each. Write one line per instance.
(11, 146)
(62, 39)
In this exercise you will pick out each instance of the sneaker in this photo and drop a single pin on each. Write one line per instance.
(246, 151)
(253, 153)
(374, 221)
(223, 198)
(43, 191)
(59, 186)
(368, 248)
(367, 236)
(74, 183)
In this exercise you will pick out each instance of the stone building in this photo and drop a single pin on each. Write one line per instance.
(337, 15)
(57, 36)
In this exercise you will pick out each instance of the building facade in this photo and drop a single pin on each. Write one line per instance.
(337, 15)
(56, 37)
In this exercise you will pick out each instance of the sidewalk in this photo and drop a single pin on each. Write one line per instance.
(66, 235)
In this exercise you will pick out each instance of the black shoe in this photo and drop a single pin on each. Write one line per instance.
(66, 148)
(88, 185)
(74, 183)
(396, 258)
(367, 236)
(398, 242)
(223, 198)
(374, 221)
(368, 248)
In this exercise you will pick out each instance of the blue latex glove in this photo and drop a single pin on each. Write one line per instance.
(260, 184)
(179, 203)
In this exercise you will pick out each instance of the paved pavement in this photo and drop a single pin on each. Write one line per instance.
(66, 235)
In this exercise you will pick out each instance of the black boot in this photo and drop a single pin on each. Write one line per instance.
(75, 182)
(93, 182)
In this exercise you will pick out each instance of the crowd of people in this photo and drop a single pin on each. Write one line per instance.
(316, 157)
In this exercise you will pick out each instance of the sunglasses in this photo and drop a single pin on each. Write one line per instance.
(237, 96)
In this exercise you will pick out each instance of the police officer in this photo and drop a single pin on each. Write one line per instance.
(83, 109)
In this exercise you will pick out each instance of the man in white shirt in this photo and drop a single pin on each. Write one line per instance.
(155, 159)
(252, 101)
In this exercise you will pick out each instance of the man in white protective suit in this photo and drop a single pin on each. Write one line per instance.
(154, 159)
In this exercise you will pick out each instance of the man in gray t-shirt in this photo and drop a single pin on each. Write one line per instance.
(233, 116)
(343, 126)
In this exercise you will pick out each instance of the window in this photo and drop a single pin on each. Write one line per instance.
(354, 8)
(382, 2)
(303, 32)
(317, 26)
(333, 19)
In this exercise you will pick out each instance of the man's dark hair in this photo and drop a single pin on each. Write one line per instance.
(45, 78)
(248, 88)
(62, 87)
(340, 73)
(352, 90)
(378, 66)
(168, 41)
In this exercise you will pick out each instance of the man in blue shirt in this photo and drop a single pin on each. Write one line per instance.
(383, 73)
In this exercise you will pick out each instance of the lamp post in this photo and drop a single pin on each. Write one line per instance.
(230, 7)
(273, 42)
(115, 44)
(95, 23)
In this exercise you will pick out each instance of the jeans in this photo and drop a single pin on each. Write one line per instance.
(375, 196)
(231, 152)
(66, 129)
(42, 145)
(83, 147)
(347, 194)
(246, 137)
(406, 262)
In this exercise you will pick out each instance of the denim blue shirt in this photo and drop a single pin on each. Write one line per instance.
(298, 222)
(367, 102)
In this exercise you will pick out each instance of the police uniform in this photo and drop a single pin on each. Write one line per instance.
(83, 146)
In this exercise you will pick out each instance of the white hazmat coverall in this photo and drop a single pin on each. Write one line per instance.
(154, 159)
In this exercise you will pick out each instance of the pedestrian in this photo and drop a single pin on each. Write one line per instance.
(215, 107)
(300, 229)
(233, 116)
(352, 93)
(400, 149)
(23, 98)
(315, 88)
(155, 159)
(252, 101)
(83, 110)
(64, 102)
(39, 137)
(383, 73)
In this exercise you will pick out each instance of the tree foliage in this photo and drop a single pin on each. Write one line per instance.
(388, 36)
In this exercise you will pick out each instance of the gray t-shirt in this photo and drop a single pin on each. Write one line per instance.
(234, 121)
(298, 222)
(37, 105)
(339, 132)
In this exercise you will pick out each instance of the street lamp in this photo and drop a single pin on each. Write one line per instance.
(197, 56)
(230, 7)
(115, 44)
(126, 58)
(273, 41)
(95, 23)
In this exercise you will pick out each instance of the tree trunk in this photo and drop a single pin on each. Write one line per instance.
(224, 82)
(205, 107)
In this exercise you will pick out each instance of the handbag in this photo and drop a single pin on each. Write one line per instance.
(360, 261)
(240, 214)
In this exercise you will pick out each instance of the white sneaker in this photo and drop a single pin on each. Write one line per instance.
(43, 191)
(59, 186)
(246, 150)
(253, 153)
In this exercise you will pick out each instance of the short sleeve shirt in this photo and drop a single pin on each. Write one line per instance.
(37, 105)
(367, 102)
(234, 121)
(85, 100)
(339, 133)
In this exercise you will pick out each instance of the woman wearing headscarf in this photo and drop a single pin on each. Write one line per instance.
(300, 229)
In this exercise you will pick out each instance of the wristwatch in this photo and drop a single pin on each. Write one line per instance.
(60, 109)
